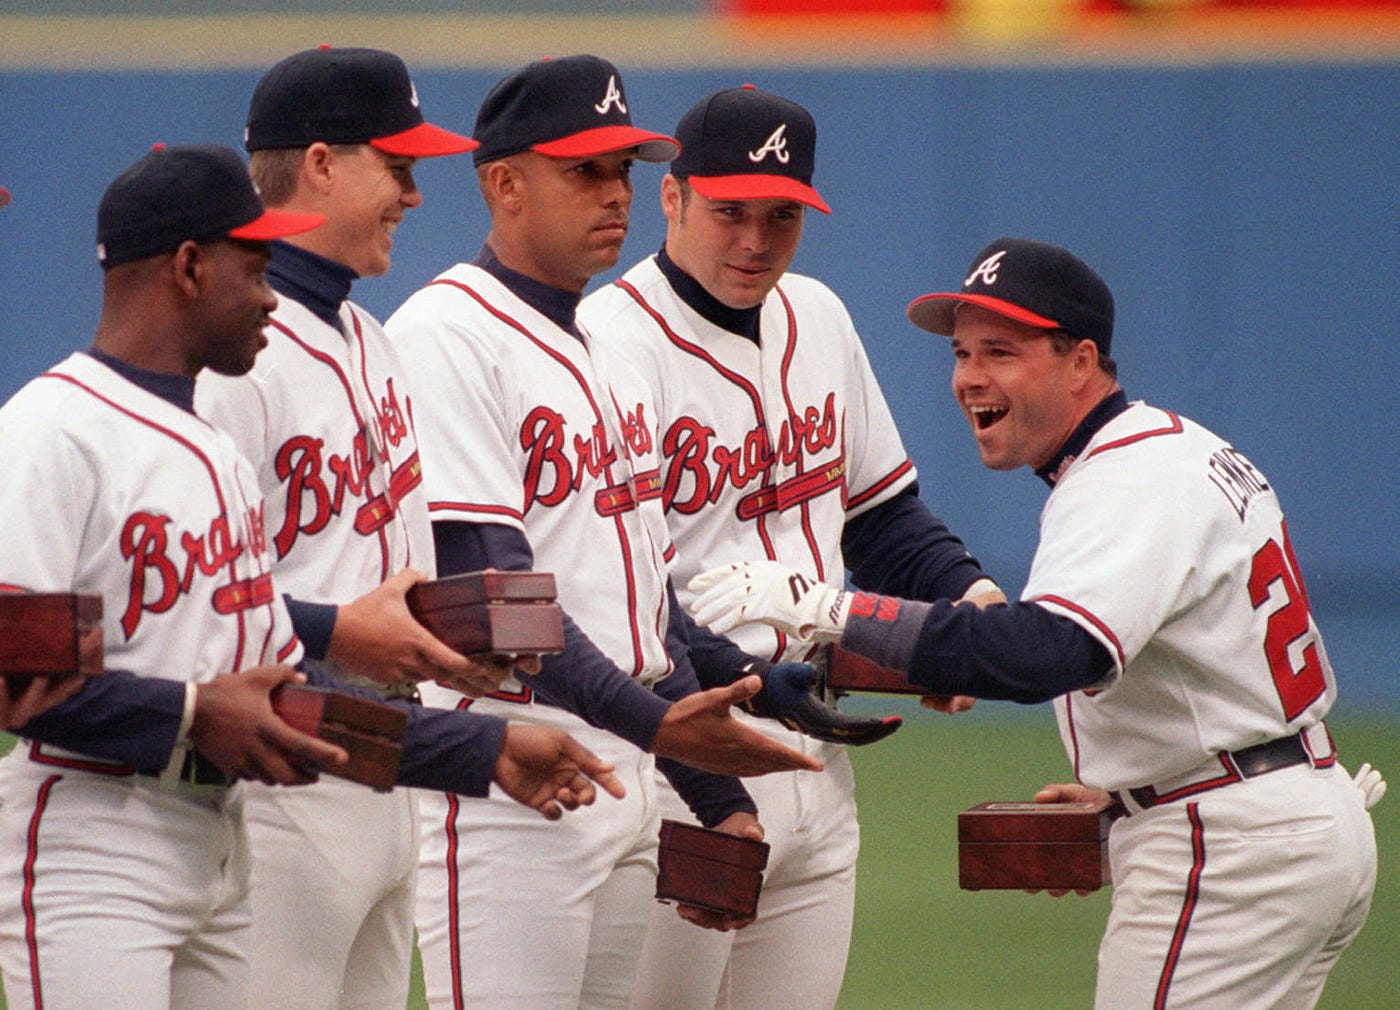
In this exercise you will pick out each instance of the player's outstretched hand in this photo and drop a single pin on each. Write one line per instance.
(377, 637)
(787, 697)
(699, 730)
(549, 771)
(235, 727)
(741, 824)
(22, 700)
(770, 593)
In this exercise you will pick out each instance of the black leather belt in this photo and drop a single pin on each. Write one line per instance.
(1284, 752)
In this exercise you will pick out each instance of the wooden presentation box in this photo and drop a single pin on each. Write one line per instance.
(371, 732)
(49, 635)
(850, 671)
(710, 869)
(492, 613)
(1043, 846)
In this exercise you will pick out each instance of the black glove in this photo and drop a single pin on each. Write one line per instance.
(787, 698)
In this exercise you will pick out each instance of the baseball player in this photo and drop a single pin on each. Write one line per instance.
(776, 443)
(532, 460)
(122, 841)
(1166, 616)
(326, 418)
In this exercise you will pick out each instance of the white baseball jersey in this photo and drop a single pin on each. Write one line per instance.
(518, 428)
(326, 418)
(119, 492)
(767, 450)
(1198, 601)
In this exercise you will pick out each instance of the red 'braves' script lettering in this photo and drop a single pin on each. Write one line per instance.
(392, 419)
(310, 502)
(636, 433)
(550, 472)
(697, 473)
(145, 542)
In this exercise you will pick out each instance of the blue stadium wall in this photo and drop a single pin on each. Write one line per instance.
(1245, 213)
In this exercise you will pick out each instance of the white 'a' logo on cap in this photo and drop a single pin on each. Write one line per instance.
(987, 269)
(613, 97)
(413, 94)
(777, 143)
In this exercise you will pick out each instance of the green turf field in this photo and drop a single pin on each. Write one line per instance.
(921, 944)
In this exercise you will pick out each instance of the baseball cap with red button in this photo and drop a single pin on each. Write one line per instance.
(747, 144)
(344, 96)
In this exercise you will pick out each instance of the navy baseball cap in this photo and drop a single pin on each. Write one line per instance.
(344, 96)
(746, 144)
(570, 107)
(1041, 285)
(174, 194)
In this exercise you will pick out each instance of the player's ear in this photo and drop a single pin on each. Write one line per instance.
(503, 184)
(318, 166)
(1085, 360)
(672, 198)
(188, 264)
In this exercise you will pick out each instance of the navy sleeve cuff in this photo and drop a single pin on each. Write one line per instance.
(314, 623)
(116, 716)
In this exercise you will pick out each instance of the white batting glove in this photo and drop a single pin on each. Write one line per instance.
(1372, 786)
(771, 593)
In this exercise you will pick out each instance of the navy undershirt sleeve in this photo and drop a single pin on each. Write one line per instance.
(117, 716)
(899, 548)
(581, 679)
(313, 624)
(1010, 651)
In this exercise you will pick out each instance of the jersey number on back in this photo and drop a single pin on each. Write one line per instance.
(1297, 689)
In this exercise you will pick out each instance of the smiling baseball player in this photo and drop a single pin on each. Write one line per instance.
(124, 844)
(326, 417)
(1166, 616)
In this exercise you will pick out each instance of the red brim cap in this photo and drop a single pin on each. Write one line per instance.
(277, 224)
(935, 313)
(606, 139)
(757, 187)
(424, 141)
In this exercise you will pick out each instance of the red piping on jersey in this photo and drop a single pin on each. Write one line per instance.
(788, 351)
(1188, 905)
(563, 361)
(31, 940)
(476, 507)
(694, 350)
(195, 451)
(1060, 601)
(38, 756)
(1174, 428)
(345, 384)
(454, 954)
(880, 485)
